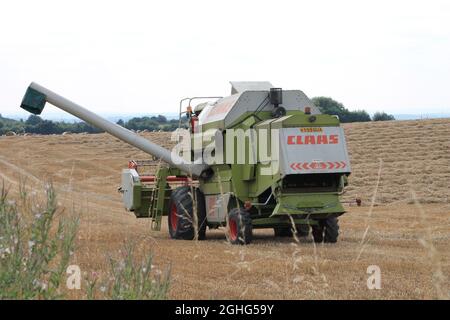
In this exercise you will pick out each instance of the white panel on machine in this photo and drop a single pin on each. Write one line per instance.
(313, 150)
(130, 177)
(241, 86)
(217, 207)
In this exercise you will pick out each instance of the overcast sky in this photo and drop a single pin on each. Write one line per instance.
(144, 56)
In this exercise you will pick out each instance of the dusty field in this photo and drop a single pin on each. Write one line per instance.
(407, 239)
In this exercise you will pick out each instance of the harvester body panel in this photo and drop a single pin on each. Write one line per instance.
(307, 150)
(217, 207)
(131, 189)
(227, 112)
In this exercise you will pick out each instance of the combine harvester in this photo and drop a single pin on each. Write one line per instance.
(283, 165)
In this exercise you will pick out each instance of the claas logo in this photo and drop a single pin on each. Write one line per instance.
(314, 139)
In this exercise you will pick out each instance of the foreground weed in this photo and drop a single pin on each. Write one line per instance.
(130, 279)
(35, 246)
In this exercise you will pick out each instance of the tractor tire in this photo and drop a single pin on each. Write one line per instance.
(331, 230)
(302, 230)
(317, 233)
(181, 216)
(240, 226)
(201, 209)
(327, 231)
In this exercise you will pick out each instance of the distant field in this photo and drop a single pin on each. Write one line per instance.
(413, 155)
(406, 234)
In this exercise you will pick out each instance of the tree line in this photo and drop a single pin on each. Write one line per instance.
(35, 124)
(329, 106)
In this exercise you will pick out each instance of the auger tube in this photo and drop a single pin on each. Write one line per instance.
(32, 104)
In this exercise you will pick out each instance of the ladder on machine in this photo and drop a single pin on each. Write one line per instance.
(158, 198)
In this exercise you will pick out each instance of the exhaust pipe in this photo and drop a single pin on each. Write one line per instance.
(36, 97)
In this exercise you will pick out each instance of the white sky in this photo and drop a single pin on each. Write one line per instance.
(144, 56)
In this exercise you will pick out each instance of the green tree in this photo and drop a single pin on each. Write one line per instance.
(357, 116)
(382, 116)
(330, 106)
(44, 127)
(33, 120)
(160, 119)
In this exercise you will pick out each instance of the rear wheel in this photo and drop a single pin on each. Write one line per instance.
(240, 226)
(302, 230)
(317, 233)
(181, 214)
(331, 230)
(326, 231)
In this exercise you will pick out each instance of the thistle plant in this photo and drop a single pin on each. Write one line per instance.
(129, 278)
(36, 243)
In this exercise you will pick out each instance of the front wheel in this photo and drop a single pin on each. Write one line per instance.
(239, 226)
(182, 217)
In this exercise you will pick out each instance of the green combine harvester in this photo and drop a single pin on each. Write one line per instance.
(262, 157)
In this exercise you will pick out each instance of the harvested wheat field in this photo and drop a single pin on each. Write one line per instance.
(401, 171)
